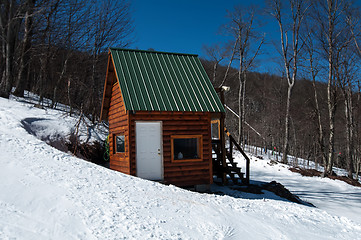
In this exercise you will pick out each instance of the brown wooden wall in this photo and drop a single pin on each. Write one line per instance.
(118, 124)
(182, 173)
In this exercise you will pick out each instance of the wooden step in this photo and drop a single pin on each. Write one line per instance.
(234, 164)
(235, 169)
(231, 175)
(234, 179)
(241, 175)
(231, 168)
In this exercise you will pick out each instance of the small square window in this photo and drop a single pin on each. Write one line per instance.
(119, 143)
(186, 147)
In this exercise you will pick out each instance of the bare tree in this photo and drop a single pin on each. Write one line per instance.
(314, 69)
(11, 17)
(46, 34)
(229, 63)
(109, 24)
(357, 150)
(349, 72)
(216, 53)
(335, 38)
(73, 29)
(349, 82)
(356, 35)
(242, 28)
(290, 50)
(25, 48)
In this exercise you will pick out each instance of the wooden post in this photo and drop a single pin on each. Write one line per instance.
(246, 181)
(247, 171)
(231, 149)
(222, 139)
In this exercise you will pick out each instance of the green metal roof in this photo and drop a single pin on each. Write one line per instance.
(160, 81)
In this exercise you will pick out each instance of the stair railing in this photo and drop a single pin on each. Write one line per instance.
(233, 141)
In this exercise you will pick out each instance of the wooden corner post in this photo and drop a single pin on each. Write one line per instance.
(222, 139)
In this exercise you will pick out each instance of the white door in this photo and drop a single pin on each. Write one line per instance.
(148, 150)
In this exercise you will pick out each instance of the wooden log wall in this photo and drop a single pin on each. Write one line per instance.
(118, 124)
(179, 172)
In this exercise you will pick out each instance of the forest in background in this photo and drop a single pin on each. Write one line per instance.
(58, 49)
(311, 109)
(265, 110)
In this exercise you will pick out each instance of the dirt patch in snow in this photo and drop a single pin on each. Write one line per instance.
(348, 180)
(60, 139)
(259, 188)
(315, 173)
(93, 152)
(306, 172)
(280, 190)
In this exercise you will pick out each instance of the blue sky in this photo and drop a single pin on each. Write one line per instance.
(186, 25)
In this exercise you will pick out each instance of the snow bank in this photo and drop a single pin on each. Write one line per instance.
(334, 196)
(48, 194)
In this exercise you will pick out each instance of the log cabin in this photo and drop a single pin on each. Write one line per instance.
(159, 106)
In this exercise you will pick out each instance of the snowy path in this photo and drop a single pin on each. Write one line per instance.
(334, 196)
(48, 194)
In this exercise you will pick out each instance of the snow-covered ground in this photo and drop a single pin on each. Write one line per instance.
(49, 194)
(333, 196)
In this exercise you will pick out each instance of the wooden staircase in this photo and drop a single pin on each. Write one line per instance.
(230, 167)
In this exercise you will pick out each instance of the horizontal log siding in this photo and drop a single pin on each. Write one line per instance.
(182, 173)
(118, 123)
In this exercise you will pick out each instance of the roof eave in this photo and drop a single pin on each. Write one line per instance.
(105, 103)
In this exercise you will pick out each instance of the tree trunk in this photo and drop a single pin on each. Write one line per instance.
(69, 98)
(2, 59)
(287, 125)
(331, 139)
(349, 132)
(240, 114)
(318, 113)
(93, 93)
(13, 24)
(26, 45)
(240, 95)
(230, 63)
(44, 72)
(215, 65)
(61, 77)
(244, 104)
(330, 91)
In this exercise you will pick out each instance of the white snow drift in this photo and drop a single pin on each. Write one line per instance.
(49, 194)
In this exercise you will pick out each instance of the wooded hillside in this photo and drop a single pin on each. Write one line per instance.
(265, 109)
(58, 49)
(319, 41)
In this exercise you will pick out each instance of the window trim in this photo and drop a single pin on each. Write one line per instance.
(218, 122)
(115, 143)
(200, 148)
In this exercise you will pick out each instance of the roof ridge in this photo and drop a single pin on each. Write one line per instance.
(152, 51)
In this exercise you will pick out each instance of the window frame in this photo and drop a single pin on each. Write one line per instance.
(115, 143)
(199, 148)
(218, 122)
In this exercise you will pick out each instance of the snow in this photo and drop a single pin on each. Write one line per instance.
(49, 194)
(333, 196)
(52, 125)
